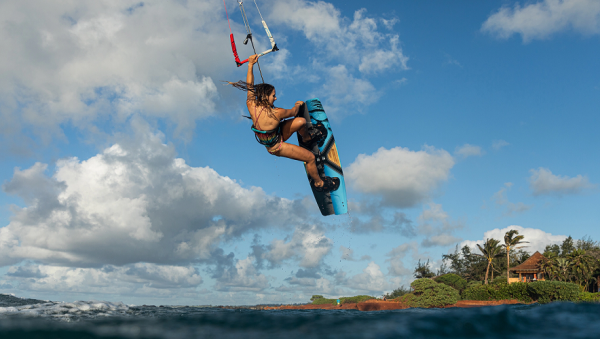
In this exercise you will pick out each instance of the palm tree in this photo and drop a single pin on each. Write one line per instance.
(549, 265)
(511, 240)
(582, 267)
(562, 269)
(489, 251)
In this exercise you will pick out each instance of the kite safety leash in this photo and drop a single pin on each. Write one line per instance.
(233, 48)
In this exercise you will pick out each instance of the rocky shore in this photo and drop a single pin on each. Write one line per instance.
(380, 305)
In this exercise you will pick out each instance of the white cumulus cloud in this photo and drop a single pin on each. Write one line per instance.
(242, 277)
(140, 279)
(437, 226)
(371, 280)
(346, 50)
(541, 19)
(308, 244)
(538, 239)
(402, 177)
(82, 62)
(353, 40)
(397, 256)
(340, 87)
(136, 201)
(543, 182)
(380, 60)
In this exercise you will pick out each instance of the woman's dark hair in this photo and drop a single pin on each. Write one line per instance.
(261, 91)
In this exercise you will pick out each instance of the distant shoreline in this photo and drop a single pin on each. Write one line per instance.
(375, 305)
(7, 300)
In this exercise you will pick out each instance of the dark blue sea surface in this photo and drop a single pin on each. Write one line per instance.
(94, 319)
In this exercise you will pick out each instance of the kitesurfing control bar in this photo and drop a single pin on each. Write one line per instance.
(249, 35)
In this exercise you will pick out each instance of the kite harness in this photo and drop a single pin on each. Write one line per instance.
(249, 36)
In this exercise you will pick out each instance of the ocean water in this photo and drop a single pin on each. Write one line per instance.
(93, 319)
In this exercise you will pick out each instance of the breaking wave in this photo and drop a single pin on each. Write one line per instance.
(95, 319)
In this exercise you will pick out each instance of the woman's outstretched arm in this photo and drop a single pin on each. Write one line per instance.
(283, 113)
(250, 77)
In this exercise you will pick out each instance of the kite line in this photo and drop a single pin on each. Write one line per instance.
(249, 36)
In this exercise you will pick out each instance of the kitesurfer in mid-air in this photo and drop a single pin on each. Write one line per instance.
(272, 132)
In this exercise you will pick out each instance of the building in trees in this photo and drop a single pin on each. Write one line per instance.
(529, 270)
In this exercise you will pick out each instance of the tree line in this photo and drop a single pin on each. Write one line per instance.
(575, 261)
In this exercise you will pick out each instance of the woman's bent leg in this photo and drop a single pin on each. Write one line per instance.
(291, 126)
(298, 153)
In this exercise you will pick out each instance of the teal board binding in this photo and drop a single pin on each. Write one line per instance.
(328, 161)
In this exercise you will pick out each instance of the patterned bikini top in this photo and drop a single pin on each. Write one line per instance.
(266, 138)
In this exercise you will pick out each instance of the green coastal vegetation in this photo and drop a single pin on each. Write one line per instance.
(429, 293)
(320, 300)
(570, 271)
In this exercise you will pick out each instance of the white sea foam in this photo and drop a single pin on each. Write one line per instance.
(68, 310)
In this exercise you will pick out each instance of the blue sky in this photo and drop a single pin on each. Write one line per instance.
(129, 174)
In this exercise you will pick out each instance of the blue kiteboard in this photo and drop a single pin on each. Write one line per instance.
(328, 161)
